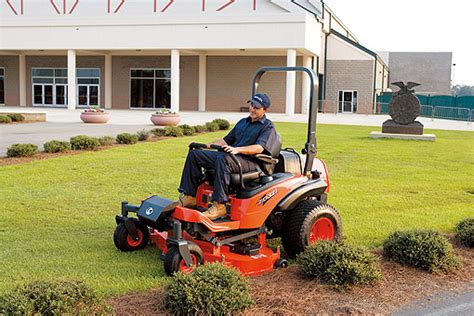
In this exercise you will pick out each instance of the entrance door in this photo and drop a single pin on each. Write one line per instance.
(61, 95)
(43, 94)
(347, 101)
(2, 86)
(88, 95)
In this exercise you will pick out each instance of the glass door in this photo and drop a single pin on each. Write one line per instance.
(2, 86)
(88, 95)
(347, 101)
(43, 94)
(61, 95)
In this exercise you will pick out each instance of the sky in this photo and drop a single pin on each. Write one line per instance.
(414, 26)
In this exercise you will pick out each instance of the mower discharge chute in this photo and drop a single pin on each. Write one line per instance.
(288, 200)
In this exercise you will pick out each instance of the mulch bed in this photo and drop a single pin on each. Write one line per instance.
(286, 292)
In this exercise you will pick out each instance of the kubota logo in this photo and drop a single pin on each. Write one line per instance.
(149, 211)
(267, 197)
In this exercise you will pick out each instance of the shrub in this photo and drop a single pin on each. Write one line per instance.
(158, 131)
(52, 298)
(212, 126)
(106, 140)
(83, 142)
(223, 124)
(5, 119)
(187, 129)
(16, 117)
(465, 232)
(143, 135)
(56, 146)
(200, 128)
(339, 264)
(424, 249)
(22, 150)
(126, 138)
(211, 289)
(173, 131)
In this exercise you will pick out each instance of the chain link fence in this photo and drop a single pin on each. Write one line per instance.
(441, 112)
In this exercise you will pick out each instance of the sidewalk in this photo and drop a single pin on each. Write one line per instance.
(62, 123)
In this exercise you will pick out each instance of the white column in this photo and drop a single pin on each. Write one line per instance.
(290, 83)
(306, 83)
(202, 82)
(175, 80)
(71, 79)
(22, 75)
(108, 81)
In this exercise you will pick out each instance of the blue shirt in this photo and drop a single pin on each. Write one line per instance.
(246, 133)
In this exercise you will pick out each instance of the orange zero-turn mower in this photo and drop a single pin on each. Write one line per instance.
(287, 198)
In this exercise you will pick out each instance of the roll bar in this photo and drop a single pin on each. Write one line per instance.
(310, 146)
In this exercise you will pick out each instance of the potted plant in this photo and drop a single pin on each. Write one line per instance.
(165, 117)
(95, 115)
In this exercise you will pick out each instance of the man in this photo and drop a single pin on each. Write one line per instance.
(250, 136)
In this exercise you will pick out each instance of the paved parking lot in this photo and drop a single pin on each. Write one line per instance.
(62, 123)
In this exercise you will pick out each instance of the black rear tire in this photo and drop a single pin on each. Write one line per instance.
(124, 242)
(308, 222)
(174, 262)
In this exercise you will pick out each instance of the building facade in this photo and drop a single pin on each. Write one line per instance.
(184, 55)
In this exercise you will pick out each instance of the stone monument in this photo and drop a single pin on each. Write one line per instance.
(404, 109)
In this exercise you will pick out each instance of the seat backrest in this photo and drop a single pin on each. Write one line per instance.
(276, 148)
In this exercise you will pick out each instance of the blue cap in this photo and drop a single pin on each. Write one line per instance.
(260, 100)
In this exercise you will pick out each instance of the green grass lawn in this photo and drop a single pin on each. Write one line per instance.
(57, 215)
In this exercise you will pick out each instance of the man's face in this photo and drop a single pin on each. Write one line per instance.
(256, 113)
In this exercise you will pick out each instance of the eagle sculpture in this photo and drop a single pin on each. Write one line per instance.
(405, 106)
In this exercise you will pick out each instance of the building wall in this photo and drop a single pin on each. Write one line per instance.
(11, 80)
(431, 70)
(350, 75)
(61, 62)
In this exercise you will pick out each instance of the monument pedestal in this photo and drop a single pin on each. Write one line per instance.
(426, 137)
(392, 127)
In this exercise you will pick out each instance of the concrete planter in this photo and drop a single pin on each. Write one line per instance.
(165, 119)
(95, 117)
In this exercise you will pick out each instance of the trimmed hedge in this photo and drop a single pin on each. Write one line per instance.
(212, 126)
(52, 298)
(339, 264)
(106, 140)
(5, 119)
(22, 150)
(158, 131)
(56, 146)
(223, 124)
(200, 128)
(187, 129)
(465, 232)
(143, 135)
(211, 289)
(126, 138)
(16, 117)
(424, 249)
(173, 131)
(83, 142)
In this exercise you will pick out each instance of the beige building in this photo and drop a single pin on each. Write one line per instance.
(186, 55)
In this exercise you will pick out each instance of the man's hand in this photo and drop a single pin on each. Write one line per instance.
(232, 150)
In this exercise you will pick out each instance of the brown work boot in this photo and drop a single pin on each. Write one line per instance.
(183, 200)
(217, 210)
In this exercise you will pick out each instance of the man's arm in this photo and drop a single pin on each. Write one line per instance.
(245, 150)
(220, 142)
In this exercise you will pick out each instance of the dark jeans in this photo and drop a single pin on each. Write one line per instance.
(223, 166)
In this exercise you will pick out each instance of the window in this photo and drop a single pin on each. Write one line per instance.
(2, 86)
(150, 88)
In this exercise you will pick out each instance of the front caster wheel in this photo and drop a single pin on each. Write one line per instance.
(174, 262)
(281, 263)
(124, 242)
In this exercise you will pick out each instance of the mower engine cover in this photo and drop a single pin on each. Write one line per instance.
(151, 209)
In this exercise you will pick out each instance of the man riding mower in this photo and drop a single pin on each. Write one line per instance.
(283, 195)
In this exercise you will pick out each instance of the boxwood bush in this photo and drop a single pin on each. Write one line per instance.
(157, 131)
(173, 131)
(126, 138)
(106, 140)
(212, 126)
(52, 298)
(200, 128)
(424, 249)
(56, 146)
(16, 117)
(5, 119)
(211, 289)
(143, 135)
(187, 129)
(223, 123)
(465, 232)
(339, 264)
(22, 150)
(83, 142)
